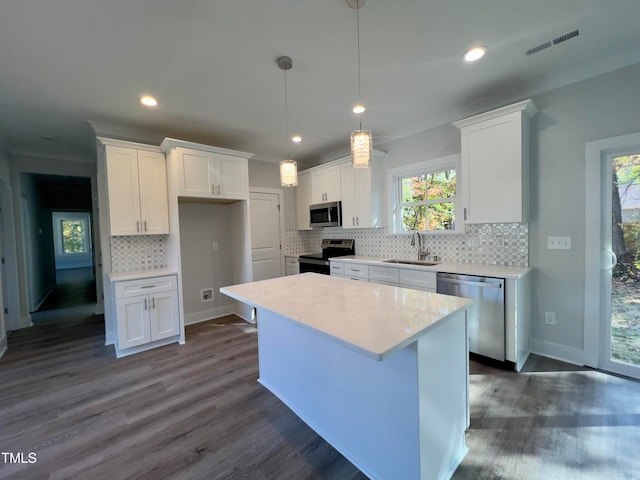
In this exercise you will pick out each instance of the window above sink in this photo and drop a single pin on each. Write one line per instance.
(425, 197)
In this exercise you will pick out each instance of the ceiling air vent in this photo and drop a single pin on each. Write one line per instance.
(539, 48)
(552, 42)
(565, 37)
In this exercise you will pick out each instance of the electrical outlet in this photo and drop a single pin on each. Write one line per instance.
(214, 246)
(550, 318)
(206, 295)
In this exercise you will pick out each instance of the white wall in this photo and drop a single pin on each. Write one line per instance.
(605, 106)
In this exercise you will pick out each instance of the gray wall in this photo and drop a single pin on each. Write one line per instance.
(4, 165)
(201, 224)
(602, 107)
(605, 106)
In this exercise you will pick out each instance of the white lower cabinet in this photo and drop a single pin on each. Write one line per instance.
(356, 271)
(419, 280)
(395, 276)
(146, 310)
(337, 269)
(292, 265)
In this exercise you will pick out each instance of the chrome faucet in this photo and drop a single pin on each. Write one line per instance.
(422, 254)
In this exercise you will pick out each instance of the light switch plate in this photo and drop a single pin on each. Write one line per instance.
(559, 243)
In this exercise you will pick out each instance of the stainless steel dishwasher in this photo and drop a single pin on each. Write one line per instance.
(485, 316)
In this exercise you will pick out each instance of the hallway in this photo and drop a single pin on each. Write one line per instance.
(75, 287)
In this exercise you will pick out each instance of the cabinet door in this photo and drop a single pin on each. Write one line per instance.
(122, 185)
(303, 200)
(326, 185)
(318, 191)
(194, 173)
(333, 184)
(363, 198)
(356, 197)
(163, 314)
(132, 315)
(492, 165)
(231, 177)
(154, 208)
(349, 196)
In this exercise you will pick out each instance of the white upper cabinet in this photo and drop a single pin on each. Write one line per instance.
(303, 200)
(326, 185)
(495, 164)
(362, 194)
(136, 189)
(209, 172)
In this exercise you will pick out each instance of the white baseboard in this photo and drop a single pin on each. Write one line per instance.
(557, 351)
(203, 316)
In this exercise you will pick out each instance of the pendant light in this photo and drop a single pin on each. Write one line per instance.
(288, 168)
(360, 139)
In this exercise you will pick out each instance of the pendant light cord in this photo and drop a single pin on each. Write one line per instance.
(358, 43)
(286, 113)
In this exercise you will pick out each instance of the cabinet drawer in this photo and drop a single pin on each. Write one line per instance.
(144, 286)
(337, 268)
(415, 278)
(291, 261)
(383, 275)
(356, 270)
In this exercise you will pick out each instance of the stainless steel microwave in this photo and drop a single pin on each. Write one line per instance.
(325, 214)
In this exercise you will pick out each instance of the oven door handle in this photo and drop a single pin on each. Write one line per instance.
(313, 261)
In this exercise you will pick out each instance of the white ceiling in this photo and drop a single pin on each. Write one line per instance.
(211, 65)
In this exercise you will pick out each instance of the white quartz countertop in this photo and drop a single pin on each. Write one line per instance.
(479, 269)
(138, 274)
(375, 320)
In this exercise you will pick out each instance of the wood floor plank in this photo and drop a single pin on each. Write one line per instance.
(196, 411)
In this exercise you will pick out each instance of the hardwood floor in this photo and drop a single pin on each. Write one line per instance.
(196, 411)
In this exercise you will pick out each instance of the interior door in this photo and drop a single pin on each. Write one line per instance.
(266, 257)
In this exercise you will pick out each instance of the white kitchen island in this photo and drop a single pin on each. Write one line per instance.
(380, 372)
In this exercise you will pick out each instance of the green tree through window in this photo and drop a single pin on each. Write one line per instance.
(428, 200)
(73, 236)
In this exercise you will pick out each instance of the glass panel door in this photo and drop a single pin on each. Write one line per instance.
(622, 314)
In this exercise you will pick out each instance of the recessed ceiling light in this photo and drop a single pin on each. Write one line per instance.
(148, 100)
(475, 53)
(359, 109)
(296, 139)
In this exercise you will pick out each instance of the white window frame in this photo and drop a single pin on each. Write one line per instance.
(58, 218)
(428, 166)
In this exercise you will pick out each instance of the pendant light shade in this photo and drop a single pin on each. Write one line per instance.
(288, 173)
(360, 148)
(288, 168)
(360, 139)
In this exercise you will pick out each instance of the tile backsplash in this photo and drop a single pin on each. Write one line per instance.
(498, 244)
(140, 252)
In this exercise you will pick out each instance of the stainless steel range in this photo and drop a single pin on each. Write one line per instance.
(319, 262)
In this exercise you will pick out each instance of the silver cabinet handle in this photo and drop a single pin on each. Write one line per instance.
(358, 221)
(353, 222)
(153, 301)
(465, 213)
(148, 286)
(145, 303)
(213, 189)
(145, 225)
(138, 226)
(218, 189)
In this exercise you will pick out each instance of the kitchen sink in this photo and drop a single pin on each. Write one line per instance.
(422, 263)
